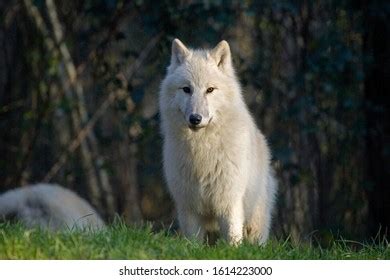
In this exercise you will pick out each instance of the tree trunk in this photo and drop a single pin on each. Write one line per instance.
(377, 87)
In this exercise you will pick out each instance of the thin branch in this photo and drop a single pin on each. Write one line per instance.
(40, 24)
(67, 59)
(101, 110)
(80, 138)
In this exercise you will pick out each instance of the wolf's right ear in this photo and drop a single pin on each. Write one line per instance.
(179, 52)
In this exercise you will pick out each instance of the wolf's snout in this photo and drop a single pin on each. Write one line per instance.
(195, 119)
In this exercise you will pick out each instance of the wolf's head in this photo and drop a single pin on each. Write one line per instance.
(200, 85)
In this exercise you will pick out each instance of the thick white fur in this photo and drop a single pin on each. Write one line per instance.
(219, 175)
(48, 206)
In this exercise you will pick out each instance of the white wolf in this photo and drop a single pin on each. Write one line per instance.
(48, 206)
(216, 161)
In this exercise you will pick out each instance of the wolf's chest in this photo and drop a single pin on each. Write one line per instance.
(204, 162)
(209, 183)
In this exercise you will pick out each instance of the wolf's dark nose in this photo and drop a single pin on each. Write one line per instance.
(195, 119)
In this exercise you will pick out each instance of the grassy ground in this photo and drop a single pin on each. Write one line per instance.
(121, 242)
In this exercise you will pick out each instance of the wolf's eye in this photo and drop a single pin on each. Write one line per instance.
(186, 89)
(210, 90)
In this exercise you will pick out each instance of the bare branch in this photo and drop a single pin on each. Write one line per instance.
(100, 112)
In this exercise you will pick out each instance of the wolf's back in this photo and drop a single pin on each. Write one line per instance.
(48, 206)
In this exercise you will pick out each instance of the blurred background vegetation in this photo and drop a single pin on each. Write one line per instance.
(78, 102)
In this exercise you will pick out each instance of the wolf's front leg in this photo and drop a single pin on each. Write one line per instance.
(190, 224)
(231, 224)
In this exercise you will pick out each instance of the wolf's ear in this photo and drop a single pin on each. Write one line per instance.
(222, 56)
(179, 52)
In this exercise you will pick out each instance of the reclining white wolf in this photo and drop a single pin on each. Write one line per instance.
(48, 206)
(216, 161)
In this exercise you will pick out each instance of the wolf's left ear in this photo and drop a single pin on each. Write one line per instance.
(222, 56)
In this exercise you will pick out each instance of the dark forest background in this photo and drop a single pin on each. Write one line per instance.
(78, 102)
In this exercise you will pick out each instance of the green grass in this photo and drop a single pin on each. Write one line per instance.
(121, 242)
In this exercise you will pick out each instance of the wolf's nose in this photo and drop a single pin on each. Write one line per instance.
(195, 119)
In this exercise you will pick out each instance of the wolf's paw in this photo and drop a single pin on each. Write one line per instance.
(235, 240)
